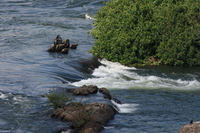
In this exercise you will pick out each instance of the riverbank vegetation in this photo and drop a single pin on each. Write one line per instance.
(58, 99)
(135, 32)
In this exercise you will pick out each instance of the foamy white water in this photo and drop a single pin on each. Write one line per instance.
(113, 75)
(126, 107)
(87, 16)
(2, 95)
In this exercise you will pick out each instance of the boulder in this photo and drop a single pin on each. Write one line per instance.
(85, 90)
(105, 92)
(59, 47)
(90, 115)
(66, 42)
(100, 112)
(190, 128)
(52, 49)
(116, 100)
(87, 117)
(92, 127)
(71, 112)
(64, 51)
(74, 46)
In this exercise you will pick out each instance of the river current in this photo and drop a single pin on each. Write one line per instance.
(155, 99)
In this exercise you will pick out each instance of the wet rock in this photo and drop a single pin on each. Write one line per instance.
(85, 90)
(87, 117)
(116, 100)
(92, 127)
(60, 47)
(74, 46)
(92, 114)
(71, 112)
(90, 65)
(52, 49)
(64, 51)
(105, 92)
(100, 112)
(66, 42)
(190, 128)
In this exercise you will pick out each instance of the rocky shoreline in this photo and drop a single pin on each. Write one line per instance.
(192, 127)
(88, 117)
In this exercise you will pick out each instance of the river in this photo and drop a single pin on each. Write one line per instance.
(154, 99)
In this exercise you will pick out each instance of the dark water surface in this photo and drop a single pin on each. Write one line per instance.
(155, 99)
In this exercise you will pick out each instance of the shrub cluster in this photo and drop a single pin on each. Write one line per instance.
(58, 99)
(132, 31)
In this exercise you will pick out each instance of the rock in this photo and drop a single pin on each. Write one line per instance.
(89, 65)
(57, 40)
(66, 42)
(86, 116)
(74, 46)
(92, 127)
(57, 112)
(73, 112)
(59, 47)
(100, 112)
(52, 49)
(90, 116)
(64, 51)
(190, 128)
(85, 90)
(117, 101)
(105, 92)
(90, 130)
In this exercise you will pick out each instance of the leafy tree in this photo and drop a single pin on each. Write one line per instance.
(132, 31)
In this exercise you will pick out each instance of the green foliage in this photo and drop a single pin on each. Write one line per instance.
(131, 31)
(58, 99)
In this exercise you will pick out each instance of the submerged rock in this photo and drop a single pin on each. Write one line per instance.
(190, 128)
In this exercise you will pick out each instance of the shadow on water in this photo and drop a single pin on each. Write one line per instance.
(87, 66)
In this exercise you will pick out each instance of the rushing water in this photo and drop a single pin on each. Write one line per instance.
(154, 99)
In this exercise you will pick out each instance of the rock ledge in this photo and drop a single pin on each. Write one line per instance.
(87, 118)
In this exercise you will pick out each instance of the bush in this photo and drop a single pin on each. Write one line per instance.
(58, 99)
(132, 31)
